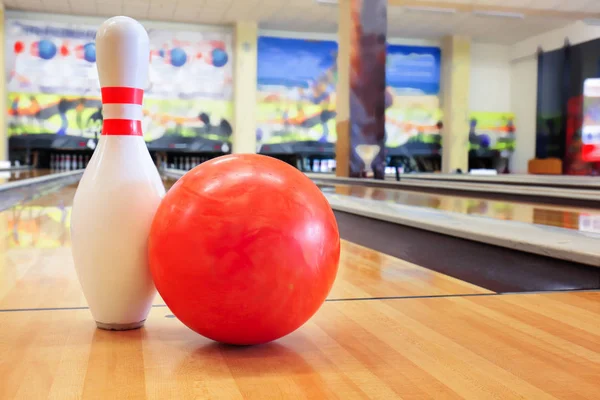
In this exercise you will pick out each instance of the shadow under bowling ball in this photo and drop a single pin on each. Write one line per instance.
(269, 359)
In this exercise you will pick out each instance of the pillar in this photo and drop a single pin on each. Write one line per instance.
(244, 87)
(3, 93)
(361, 70)
(342, 106)
(456, 68)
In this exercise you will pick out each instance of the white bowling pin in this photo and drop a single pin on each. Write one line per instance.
(120, 189)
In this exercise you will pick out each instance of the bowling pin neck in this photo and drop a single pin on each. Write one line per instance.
(122, 127)
(122, 111)
(123, 53)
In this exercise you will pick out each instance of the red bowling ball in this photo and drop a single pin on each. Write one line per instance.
(244, 249)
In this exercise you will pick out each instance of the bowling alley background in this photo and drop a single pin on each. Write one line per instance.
(568, 119)
(53, 90)
(297, 80)
(53, 83)
(296, 97)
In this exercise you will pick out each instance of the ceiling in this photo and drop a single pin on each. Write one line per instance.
(310, 16)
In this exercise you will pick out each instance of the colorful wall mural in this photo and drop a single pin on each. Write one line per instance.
(296, 100)
(53, 89)
(492, 131)
(413, 87)
(53, 82)
(296, 92)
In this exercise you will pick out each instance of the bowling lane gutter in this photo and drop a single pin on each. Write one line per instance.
(496, 268)
(12, 193)
(565, 244)
(576, 197)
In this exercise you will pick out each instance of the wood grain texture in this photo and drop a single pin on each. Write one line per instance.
(365, 273)
(532, 346)
(539, 346)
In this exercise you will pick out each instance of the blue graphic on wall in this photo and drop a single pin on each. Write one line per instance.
(297, 86)
(298, 62)
(294, 62)
(414, 68)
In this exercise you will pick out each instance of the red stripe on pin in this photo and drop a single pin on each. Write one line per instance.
(122, 127)
(122, 95)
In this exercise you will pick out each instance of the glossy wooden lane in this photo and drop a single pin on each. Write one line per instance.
(480, 346)
(532, 346)
(37, 269)
(560, 216)
(365, 273)
(570, 181)
(17, 175)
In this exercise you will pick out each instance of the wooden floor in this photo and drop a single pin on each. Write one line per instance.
(390, 329)
(17, 175)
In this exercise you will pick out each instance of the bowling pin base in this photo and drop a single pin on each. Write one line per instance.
(120, 327)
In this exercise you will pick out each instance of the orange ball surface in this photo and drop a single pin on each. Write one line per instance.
(244, 249)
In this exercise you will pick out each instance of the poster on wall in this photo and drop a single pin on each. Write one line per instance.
(413, 116)
(296, 91)
(492, 131)
(296, 94)
(53, 82)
